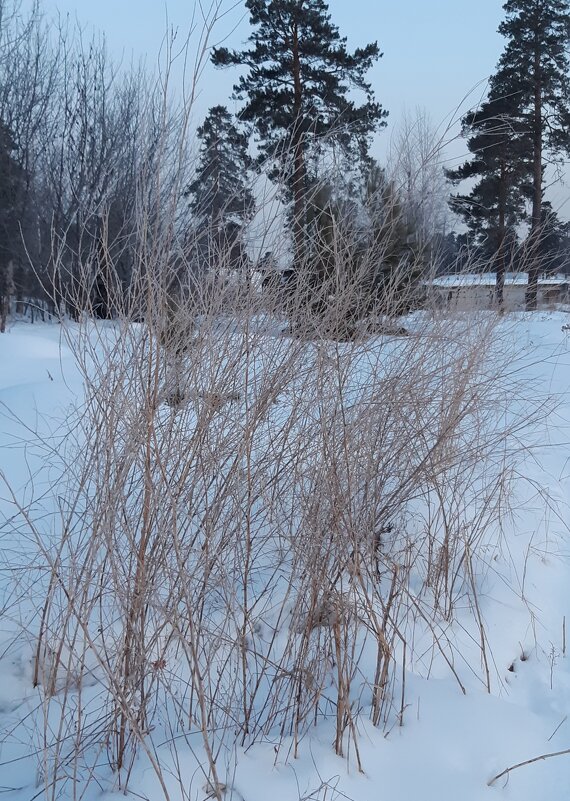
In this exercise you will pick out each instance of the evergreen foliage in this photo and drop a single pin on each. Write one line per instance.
(297, 92)
(500, 145)
(524, 122)
(220, 191)
(221, 200)
(535, 67)
(555, 242)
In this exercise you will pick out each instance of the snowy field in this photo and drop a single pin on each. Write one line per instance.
(457, 718)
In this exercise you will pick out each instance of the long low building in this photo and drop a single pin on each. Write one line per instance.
(466, 291)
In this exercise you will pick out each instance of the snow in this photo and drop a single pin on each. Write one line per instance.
(450, 744)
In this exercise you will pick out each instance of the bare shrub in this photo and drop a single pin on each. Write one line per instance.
(260, 522)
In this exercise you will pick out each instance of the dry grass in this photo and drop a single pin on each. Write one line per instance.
(257, 524)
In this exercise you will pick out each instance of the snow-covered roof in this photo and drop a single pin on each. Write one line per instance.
(490, 279)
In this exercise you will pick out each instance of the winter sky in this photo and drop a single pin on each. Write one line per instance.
(435, 51)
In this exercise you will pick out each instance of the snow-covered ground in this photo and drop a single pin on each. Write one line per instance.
(450, 743)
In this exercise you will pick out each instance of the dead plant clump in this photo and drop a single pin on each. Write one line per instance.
(261, 526)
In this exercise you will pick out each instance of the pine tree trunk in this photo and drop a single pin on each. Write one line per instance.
(299, 169)
(535, 232)
(500, 258)
(299, 200)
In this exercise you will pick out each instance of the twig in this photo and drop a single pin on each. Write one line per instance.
(564, 719)
(527, 762)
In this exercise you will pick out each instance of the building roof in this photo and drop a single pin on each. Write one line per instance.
(490, 279)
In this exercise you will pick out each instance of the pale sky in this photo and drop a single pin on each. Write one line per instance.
(438, 54)
(435, 51)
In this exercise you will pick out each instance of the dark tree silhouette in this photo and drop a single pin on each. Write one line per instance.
(221, 200)
(535, 66)
(500, 144)
(298, 92)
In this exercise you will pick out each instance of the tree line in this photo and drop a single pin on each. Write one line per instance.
(78, 135)
(295, 96)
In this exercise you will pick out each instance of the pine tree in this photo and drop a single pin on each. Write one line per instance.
(297, 92)
(535, 66)
(222, 202)
(220, 189)
(500, 144)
